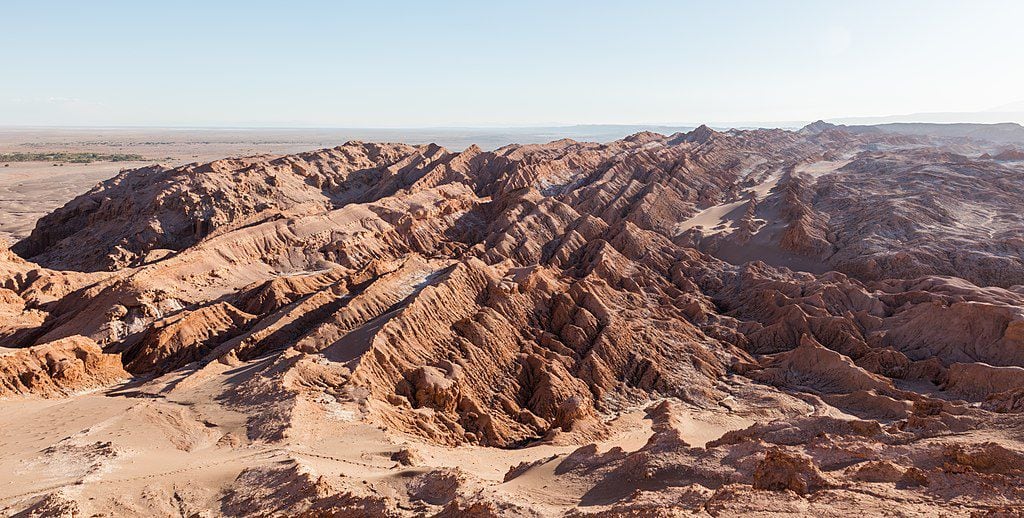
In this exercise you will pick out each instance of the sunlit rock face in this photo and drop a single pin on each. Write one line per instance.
(820, 319)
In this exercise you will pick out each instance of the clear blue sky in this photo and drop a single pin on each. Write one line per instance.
(419, 63)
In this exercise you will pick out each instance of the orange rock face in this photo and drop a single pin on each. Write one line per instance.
(801, 315)
(58, 369)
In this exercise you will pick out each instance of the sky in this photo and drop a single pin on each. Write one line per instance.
(524, 63)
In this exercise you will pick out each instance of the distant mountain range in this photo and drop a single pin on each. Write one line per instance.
(1009, 113)
(1004, 133)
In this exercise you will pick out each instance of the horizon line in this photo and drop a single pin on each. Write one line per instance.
(847, 121)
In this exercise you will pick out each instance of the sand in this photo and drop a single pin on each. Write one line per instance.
(722, 218)
(364, 411)
(30, 190)
(134, 447)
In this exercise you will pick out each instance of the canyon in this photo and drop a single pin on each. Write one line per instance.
(825, 321)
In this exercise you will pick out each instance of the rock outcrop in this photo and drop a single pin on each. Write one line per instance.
(839, 308)
(58, 368)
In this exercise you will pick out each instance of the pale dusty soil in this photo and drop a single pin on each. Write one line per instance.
(30, 190)
(823, 167)
(723, 217)
(139, 449)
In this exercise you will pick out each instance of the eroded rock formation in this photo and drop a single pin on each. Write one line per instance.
(850, 303)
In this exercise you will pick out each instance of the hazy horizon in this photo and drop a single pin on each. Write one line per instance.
(317, 64)
(983, 117)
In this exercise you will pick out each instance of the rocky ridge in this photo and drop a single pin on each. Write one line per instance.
(854, 299)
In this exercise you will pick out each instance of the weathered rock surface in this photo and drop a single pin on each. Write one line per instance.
(58, 368)
(809, 318)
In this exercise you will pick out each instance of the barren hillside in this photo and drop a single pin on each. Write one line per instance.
(827, 321)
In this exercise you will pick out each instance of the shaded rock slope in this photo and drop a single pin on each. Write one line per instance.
(856, 295)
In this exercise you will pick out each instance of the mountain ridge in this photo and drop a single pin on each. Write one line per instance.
(740, 319)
